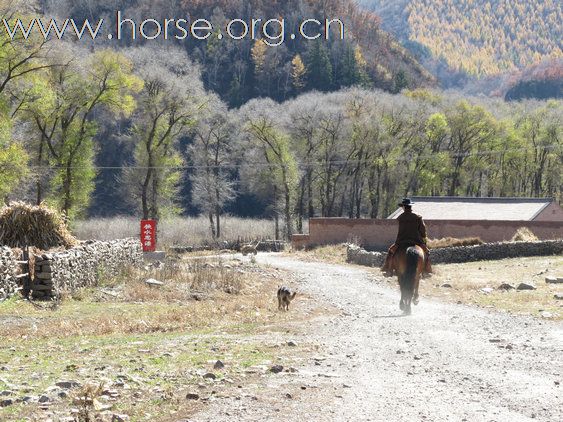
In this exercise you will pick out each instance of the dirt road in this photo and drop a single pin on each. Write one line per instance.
(443, 363)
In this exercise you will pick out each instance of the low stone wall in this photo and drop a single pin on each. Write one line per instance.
(357, 255)
(9, 268)
(82, 266)
(493, 251)
(458, 254)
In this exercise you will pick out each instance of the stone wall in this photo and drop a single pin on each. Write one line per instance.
(379, 234)
(357, 255)
(493, 251)
(82, 266)
(9, 268)
(487, 251)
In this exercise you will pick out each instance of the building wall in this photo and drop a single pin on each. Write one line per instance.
(375, 234)
(553, 212)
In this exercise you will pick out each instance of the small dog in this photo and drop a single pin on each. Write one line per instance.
(285, 296)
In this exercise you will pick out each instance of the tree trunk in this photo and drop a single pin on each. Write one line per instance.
(276, 215)
(145, 190)
(212, 226)
(300, 207)
(67, 190)
(287, 204)
(311, 207)
(39, 185)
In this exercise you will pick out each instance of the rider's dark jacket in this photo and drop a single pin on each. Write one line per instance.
(411, 229)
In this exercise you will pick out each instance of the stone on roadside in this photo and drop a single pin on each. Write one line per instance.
(446, 286)
(218, 365)
(554, 280)
(506, 286)
(119, 418)
(486, 290)
(526, 286)
(210, 376)
(153, 282)
(192, 396)
(291, 343)
(558, 296)
(276, 369)
(67, 385)
(6, 402)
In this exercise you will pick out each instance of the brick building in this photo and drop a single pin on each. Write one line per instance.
(491, 219)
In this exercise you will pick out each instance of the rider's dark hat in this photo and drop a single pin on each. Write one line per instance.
(406, 203)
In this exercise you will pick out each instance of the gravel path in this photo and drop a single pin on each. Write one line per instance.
(444, 363)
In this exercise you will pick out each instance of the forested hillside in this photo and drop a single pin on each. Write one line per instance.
(542, 81)
(239, 70)
(479, 37)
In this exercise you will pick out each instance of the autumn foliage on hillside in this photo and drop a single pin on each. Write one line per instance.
(479, 37)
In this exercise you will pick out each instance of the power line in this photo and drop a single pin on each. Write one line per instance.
(303, 164)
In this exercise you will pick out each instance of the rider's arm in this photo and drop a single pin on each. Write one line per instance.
(422, 230)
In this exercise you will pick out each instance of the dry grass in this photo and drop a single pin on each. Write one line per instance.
(177, 231)
(524, 234)
(194, 295)
(449, 242)
(334, 254)
(468, 279)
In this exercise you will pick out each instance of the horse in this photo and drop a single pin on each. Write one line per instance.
(409, 264)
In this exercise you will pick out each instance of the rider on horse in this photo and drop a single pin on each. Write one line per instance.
(412, 231)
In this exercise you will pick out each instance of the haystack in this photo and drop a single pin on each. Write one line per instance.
(24, 225)
(449, 242)
(524, 234)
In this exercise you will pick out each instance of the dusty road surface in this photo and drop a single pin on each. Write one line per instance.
(369, 363)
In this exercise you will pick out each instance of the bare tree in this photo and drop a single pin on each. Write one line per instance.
(212, 152)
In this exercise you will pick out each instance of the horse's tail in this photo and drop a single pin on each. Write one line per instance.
(413, 256)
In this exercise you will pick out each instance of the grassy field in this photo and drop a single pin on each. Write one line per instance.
(180, 231)
(471, 283)
(138, 350)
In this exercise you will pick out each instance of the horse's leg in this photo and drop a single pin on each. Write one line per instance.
(402, 301)
(416, 283)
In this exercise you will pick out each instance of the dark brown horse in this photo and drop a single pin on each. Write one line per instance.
(409, 263)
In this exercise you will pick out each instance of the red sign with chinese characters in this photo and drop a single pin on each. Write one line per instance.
(148, 235)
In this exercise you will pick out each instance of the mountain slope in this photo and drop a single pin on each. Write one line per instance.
(245, 69)
(479, 37)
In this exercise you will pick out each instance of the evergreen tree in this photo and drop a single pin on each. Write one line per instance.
(319, 68)
(348, 73)
(400, 81)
